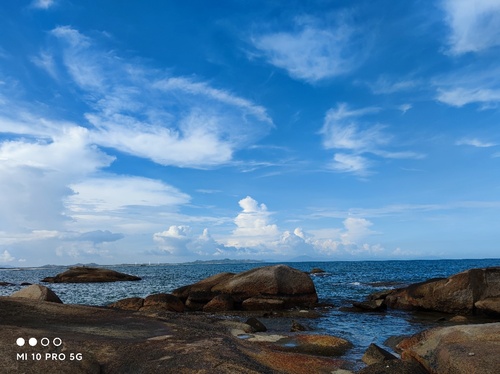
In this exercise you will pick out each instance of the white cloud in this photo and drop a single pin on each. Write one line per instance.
(473, 25)
(253, 226)
(475, 143)
(386, 85)
(256, 237)
(460, 96)
(343, 130)
(182, 242)
(339, 131)
(356, 229)
(311, 52)
(34, 178)
(114, 193)
(354, 164)
(405, 107)
(46, 62)
(6, 257)
(171, 120)
(42, 4)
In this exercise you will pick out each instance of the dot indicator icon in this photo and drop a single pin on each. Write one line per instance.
(32, 342)
(20, 342)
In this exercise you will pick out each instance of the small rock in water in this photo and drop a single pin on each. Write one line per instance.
(296, 326)
(256, 325)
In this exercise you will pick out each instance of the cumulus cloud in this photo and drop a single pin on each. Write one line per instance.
(255, 236)
(6, 257)
(473, 25)
(182, 241)
(253, 226)
(312, 51)
(53, 173)
(35, 178)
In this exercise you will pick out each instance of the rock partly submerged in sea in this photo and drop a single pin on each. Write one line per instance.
(475, 291)
(83, 274)
(265, 288)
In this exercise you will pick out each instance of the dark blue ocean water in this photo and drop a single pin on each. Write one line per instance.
(342, 283)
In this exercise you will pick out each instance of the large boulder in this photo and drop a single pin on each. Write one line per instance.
(470, 292)
(278, 282)
(39, 293)
(462, 349)
(82, 274)
(264, 288)
(162, 302)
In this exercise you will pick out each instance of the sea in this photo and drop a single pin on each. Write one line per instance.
(341, 283)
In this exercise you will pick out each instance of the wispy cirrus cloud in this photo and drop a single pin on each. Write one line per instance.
(460, 96)
(353, 141)
(123, 105)
(171, 120)
(42, 4)
(313, 50)
(473, 25)
(474, 142)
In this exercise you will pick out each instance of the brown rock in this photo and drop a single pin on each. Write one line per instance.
(38, 292)
(262, 303)
(220, 303)
(113, 341)
(375, 354)
(292, 286)
(317, 271)
(296, 326)
(489, 306)
(459, 319)
(394, 367)
(457, 294)
(83, 274)
(265, 288)
(461, 349)
(201, 292)
(131, 303)
(257, 326)
(321, 345)
(370, 305)
(162, 302)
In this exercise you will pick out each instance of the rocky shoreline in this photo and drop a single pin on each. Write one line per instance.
(179, 333)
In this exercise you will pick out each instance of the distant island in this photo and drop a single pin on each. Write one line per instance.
(221, 262)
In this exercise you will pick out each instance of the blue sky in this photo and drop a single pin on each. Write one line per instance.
(169, 131)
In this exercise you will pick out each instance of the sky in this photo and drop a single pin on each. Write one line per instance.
(168, 131)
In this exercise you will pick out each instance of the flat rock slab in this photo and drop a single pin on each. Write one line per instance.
(115, 341)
